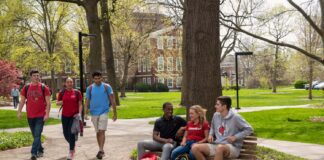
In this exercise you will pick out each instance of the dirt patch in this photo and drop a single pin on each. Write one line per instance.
(317, 119)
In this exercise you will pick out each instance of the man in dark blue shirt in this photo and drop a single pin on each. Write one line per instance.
(164, 134)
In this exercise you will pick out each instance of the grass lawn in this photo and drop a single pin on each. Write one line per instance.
(9, 120)
(16, 140)
(289, 124)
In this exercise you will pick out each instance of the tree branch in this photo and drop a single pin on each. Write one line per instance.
(78, 2)
(309, 19)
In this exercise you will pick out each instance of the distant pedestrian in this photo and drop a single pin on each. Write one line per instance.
(15, 96)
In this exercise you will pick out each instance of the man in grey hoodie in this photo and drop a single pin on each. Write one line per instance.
(229, 129)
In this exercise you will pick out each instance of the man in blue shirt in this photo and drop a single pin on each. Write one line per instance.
(99, 98)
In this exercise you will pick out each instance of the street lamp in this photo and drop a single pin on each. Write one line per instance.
(81, 68)
(236, 76)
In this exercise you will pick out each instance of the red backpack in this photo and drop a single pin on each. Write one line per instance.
(149, 156)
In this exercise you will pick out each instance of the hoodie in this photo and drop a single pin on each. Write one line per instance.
(231, 125)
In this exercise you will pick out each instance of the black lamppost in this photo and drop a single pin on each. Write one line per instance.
(236, 70)
(81, 68)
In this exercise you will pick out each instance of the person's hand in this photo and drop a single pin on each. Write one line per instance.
(19, 115)
(59, 103)
(231, 139)
(210, 139)
(170, 140)
(77, 115)
(46, 117)
(183, 143)
(114, 117)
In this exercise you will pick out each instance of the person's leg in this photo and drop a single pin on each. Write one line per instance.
(101, 139)
(69, 137)
(102, 127)
(147, 145)
(201, 151)
(166, 151)
(39, 124)
(221, 152)
(178, 151)
(14, 101)
(65, 127)
(31, 123)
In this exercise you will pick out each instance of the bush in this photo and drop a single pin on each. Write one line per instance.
(230, 87)
(159, 87)
(142, 87)
(15, 140)
(300, 84)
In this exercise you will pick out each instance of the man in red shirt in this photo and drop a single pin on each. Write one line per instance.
(38, 108)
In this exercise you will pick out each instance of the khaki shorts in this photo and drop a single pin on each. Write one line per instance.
(100, 122)
(234, 152)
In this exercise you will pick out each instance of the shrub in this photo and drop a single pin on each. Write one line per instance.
(300, 84)
(159, 87)
(15, 140)
(142, 87)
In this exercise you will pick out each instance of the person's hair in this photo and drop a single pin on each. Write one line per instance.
(96, 73)
(69, 78)
(33, 72)
(166, 104)
(201, 113)
(225, 100)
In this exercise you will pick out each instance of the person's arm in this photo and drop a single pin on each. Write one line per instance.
(59, 101)
(206, 133)
(244, 127)
(211, 131)
(156, 137)
(48, 107)
(184, 139)
(21, 105)
(113, 104)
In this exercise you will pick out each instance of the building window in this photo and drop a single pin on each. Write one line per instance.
(144, 80)
(116, 65)
(159, 43)
(77, 83)
(179, 64)
(148, 63)
(170, 83)
(139, 65)
(68, 67)
(160, 64)
(170, 43)
(170, 64)
(179, 82)
(144, 64)
(161, 80)
(149, 81)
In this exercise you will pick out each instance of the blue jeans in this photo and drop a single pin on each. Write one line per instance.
(183, 149)
(15, 101)
(36, 127)
(67, 125)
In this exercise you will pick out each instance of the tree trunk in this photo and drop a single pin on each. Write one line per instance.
(310, 78)
(202, 54)
(125, 76)
(53, 84)
(95, 59)
(108, 48)
(322, 24)
(275, 70)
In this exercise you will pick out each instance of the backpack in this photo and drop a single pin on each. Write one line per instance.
(43, 89)
(149, 156)
(75, 93)
(184, 156)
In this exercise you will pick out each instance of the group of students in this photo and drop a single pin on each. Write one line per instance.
(222, 139)
(36, 96)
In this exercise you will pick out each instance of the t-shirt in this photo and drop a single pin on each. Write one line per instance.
(99, 99)
(196, 131)
(70, 102)
(169, 127)
(36, 103)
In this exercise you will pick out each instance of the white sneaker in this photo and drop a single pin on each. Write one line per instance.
(70, 155)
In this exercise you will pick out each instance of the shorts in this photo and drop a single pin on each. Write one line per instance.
(100, 122)
(234, 152)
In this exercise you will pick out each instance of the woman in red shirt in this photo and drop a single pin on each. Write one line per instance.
(71, 101)
(197, 130)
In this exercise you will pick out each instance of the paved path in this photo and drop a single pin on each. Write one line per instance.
(123, 135)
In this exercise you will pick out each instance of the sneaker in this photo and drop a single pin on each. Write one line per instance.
(70, 155)
(100, 154)
(33, 157)
(40, 154)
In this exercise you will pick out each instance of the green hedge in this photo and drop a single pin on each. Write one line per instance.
(16, 140)
(156, 87)
(300, 84)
